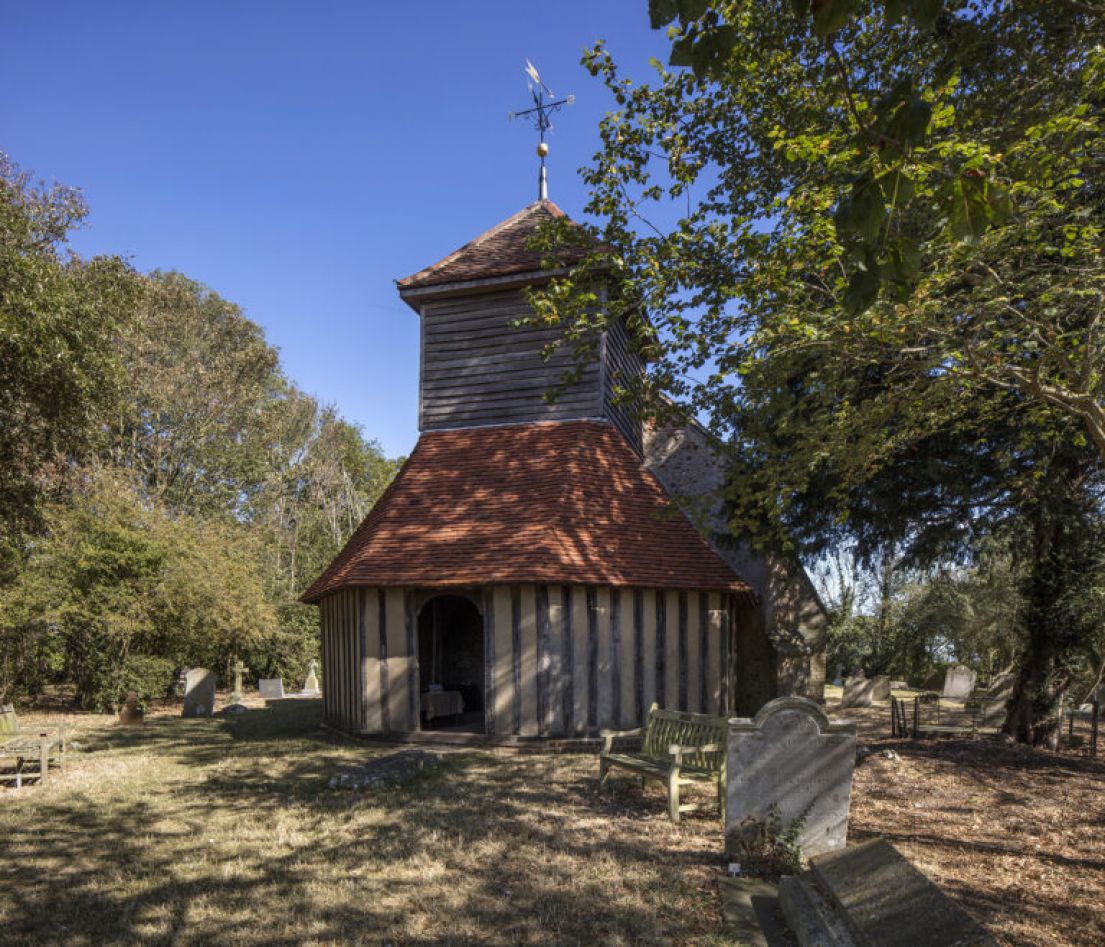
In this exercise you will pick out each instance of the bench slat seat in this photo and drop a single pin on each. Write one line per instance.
(676, 748)
(45, 747)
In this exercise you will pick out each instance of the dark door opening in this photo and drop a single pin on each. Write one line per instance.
(450, 665)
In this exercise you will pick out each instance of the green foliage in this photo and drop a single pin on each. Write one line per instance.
(123, 583)
(60, 320)
(769, 849)
(166, 493)
(868, 238)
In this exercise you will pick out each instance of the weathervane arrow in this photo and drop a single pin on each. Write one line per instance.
(545, 103)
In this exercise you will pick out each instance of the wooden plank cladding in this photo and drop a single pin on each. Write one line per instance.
(478, 369)
(558, 660)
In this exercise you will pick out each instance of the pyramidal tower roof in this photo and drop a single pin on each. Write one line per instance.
(501, 251)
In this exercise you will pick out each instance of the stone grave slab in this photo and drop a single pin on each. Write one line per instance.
(858, 692)
(792, 756)
(271, 688)
(959, 682)
(199, 692)
(883, 899)
(750, 912)
(385, 770)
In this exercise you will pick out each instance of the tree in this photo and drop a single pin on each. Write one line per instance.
(60, 323)
(118, 592)
(869, 247)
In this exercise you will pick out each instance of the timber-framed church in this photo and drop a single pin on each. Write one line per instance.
(546, 569)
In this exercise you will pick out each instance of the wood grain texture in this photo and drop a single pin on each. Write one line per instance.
(671, 655)
(398, 663)
(605, 697)
(476, 368)
(648, 651)
(527, 630)
(371, 618)
(505, 701)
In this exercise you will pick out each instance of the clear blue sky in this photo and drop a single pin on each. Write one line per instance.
(299, 157)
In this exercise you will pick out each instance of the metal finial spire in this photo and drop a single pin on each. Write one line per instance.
(544, 104)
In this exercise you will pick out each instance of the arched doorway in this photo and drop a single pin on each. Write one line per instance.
(451, 665)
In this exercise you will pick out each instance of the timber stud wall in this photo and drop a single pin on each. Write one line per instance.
(558, 659)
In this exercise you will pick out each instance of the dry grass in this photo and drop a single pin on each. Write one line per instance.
(224, 830)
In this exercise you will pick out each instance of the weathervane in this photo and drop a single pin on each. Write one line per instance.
(544, 104)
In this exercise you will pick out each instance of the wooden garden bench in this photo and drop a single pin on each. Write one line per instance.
(21, 746)
(677, 748)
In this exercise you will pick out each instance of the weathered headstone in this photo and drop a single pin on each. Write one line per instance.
(310, 686)
(131, 715)
(790, 755)
(959, 682)
(858, 692)
(199, 692)
(880, 687)
(271, 688)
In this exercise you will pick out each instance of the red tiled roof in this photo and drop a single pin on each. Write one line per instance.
(555, 502)
(501, 251)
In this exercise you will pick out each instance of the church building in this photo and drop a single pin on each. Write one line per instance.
(544, 568)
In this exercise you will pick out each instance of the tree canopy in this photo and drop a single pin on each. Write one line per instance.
(166, 492)
(868, 239)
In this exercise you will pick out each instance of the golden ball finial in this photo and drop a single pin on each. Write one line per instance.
(542, 150)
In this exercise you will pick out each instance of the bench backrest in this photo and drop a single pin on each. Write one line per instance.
(667, 727)
(9, 726)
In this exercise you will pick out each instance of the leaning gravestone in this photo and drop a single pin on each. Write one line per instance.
(271, 688)
(959, 682)
(858, 692)
(199, 692)
(790, 755)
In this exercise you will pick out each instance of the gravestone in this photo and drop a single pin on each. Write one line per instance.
(310, 686)
(858, 692)
(386, 770)
(959, 682)
(239, 669)
(271, 688)
(880, 687)
(792, 756)
(131, 715)
(871, 894)
(199, 692)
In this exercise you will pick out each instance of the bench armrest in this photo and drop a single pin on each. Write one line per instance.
(609, 736)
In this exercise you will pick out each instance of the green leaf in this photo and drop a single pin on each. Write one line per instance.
(712, 50)
(830, 15)
(895, 10)
(863, 288)
(662, 12)
(897, 187)
(682, 52)
(925, 13)
(863, 210)
(692, 9)
(910, 122)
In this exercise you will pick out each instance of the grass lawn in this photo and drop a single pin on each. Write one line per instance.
(224, 830)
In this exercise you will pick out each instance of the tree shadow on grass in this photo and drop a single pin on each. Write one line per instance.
(247, 844)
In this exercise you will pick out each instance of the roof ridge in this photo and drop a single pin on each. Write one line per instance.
(475, 242)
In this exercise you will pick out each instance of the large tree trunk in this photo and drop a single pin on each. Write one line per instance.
(1062, 556)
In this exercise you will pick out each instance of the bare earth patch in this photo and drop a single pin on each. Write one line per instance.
(225, 830)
